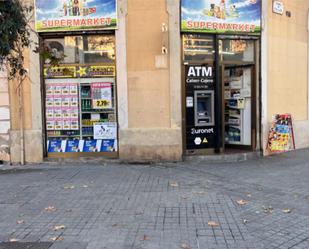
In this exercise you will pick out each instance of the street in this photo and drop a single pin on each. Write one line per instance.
(262, 203)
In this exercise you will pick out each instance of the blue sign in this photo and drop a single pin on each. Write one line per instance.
(55, 146)
(72, 146)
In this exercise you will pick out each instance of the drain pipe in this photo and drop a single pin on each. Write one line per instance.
(21, 121)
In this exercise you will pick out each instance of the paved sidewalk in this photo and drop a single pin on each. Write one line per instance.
(255, 204)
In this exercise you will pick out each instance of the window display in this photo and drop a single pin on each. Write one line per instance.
(237, 115)
(237, 50)
(81, 98)
(198, 47)
(82, 49)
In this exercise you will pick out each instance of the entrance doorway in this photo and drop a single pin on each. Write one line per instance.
(237, 63)
(219, 104)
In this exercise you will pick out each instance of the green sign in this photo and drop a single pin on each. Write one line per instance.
(75, 15)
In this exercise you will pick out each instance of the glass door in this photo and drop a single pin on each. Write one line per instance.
(237, 63)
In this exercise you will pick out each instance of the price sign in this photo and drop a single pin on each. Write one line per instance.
(101, 94)
(101, 104)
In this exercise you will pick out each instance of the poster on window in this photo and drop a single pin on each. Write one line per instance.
(107, 130)
(101, 95)
(62, 106)
(73, 15)
(221, 16)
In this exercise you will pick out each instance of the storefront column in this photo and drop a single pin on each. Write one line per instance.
(154, 113)
(33, 138)
(264, 70)
(121, 64)
(175, 63)
(308, 61)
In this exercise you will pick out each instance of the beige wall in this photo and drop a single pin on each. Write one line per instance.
(288, 61)
(15, 114)
(153, 91)
(148, 86)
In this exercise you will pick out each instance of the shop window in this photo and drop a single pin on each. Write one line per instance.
(237, 50)
(198, 47)
(81, 95)
(99, 49)
(82, 49)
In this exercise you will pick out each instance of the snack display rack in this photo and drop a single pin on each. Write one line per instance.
(237, 99)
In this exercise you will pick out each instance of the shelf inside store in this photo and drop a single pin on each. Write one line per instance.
(234, 115)
(233, 142)
(235, 125)
(107, 76)
(55, 136)
(233, 107)
(98, 111)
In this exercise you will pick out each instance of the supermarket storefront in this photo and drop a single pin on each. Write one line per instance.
(80, 91)
(220, 67)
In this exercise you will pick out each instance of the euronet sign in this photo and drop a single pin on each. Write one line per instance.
(73, 15)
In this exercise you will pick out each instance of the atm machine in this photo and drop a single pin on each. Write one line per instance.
(200, 109)
(204, 108)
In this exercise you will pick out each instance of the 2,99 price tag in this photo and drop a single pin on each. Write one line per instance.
(101, 94)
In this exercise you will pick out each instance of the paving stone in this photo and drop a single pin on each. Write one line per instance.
(160, 206)
(25, 245)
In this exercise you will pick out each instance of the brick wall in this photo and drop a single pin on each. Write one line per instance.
(4, 116)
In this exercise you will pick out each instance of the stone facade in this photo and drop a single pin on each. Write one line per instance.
(149, 82)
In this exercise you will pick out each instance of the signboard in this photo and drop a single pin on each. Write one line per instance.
(278, 7)
(73, 15)
(281, 134)
(107, 130)
(79, 72)
(101, 95)
(221, 16)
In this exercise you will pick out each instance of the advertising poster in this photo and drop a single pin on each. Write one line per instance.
(281, 134)
(72, 146)
(106, 130)
(62, 106)
(221, 16)
(108, 145)
(61, 146)
(101, 94)
(56, 146)
(73, 15)
(91, 146)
